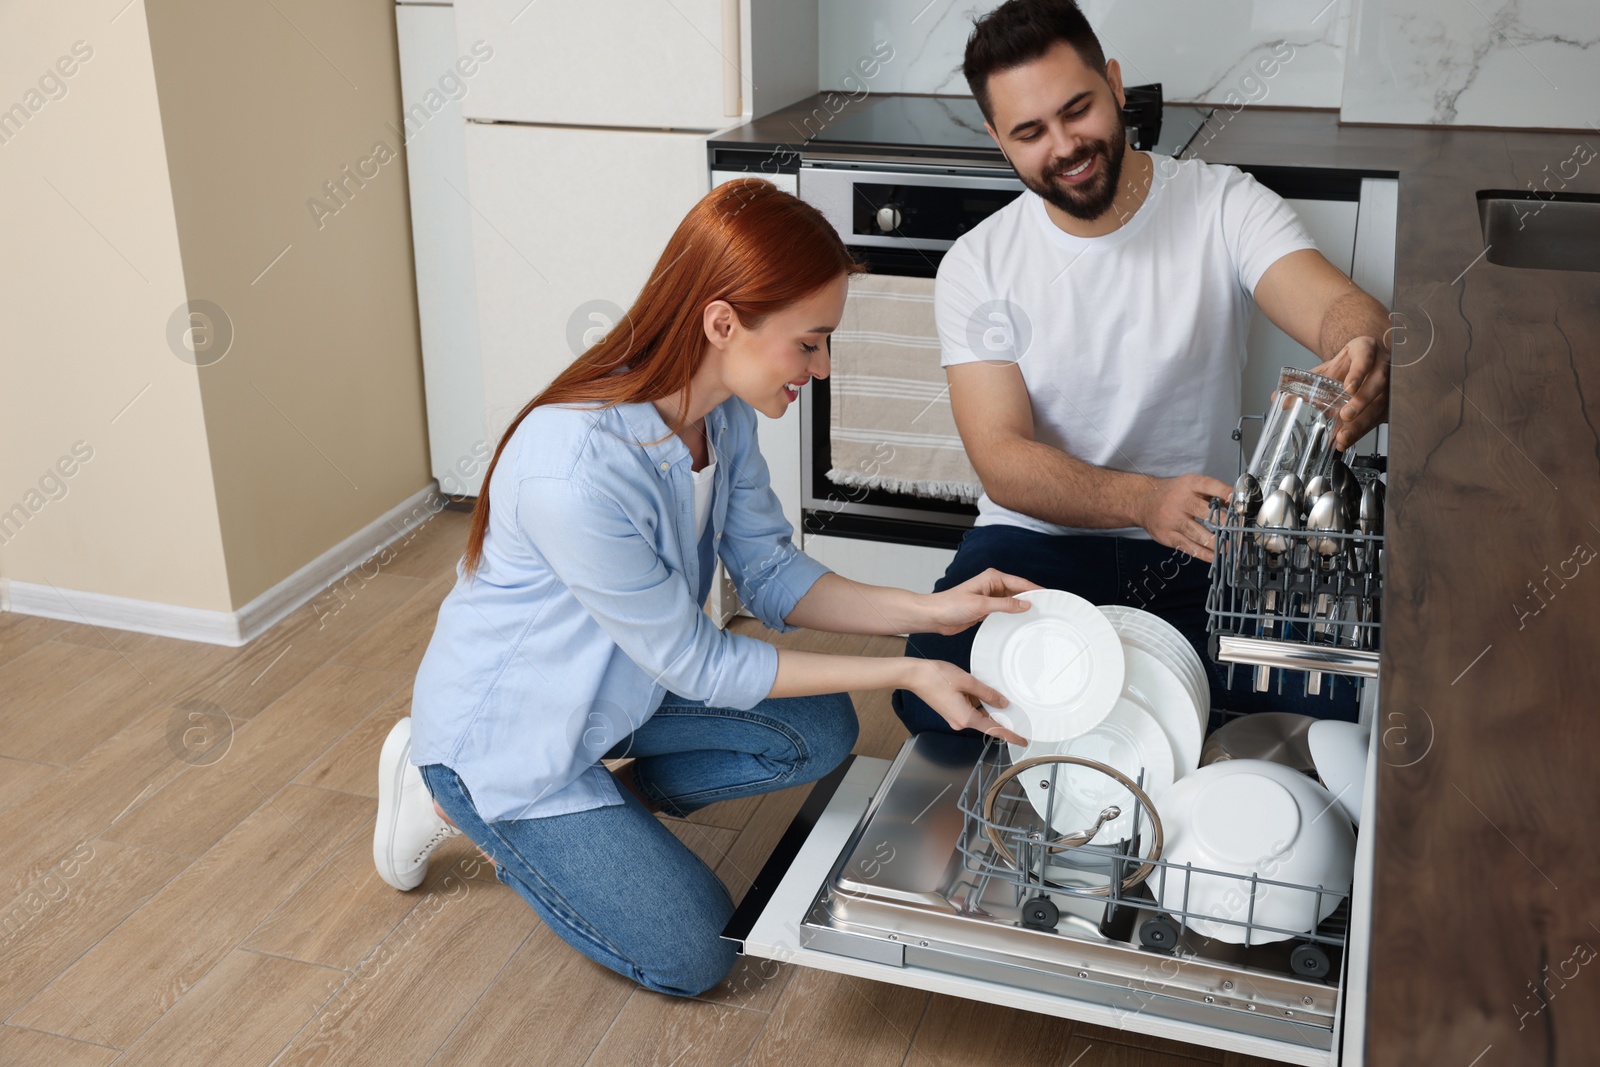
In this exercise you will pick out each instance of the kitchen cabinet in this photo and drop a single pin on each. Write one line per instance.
(567, 224)
(605, 62)
(441, 235)
(545, 188)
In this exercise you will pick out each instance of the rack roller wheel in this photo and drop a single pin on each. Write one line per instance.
(1040, 913)
(1309, 961)
(1159, 934)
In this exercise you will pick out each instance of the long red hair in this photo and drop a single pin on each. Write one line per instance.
(746, 242)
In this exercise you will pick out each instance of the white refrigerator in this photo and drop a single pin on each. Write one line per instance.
(585, 145)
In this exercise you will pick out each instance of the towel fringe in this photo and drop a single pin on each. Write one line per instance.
(965, 492)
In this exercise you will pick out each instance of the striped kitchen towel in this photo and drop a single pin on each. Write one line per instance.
(891, 427)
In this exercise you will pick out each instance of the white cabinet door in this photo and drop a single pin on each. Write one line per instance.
(1356, 237)
(1332, 225)
(441, 235)
(599, 62)
(566, 226)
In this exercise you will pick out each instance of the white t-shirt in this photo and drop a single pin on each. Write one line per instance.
(1131, 344)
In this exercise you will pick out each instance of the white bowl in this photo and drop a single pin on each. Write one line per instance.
(1243, 817)
(1128, 739)
(1339, 750)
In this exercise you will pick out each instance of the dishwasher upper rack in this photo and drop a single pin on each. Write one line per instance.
(1095, 873)
(1297, 609)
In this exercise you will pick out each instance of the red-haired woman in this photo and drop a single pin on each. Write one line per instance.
(575, 631)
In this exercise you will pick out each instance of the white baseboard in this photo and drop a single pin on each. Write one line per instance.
(230, 628)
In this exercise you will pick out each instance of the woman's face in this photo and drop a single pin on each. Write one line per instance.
(766, 367)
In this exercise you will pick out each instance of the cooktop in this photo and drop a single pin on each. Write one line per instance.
(955, 122)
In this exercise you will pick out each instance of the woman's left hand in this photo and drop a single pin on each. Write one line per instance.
(973, 600)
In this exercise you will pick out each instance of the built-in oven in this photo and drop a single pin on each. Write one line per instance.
(899, 221)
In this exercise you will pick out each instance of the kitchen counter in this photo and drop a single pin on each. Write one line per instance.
(1483, 904)
(1486, 867)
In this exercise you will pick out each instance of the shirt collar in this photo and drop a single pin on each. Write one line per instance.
(644, 424)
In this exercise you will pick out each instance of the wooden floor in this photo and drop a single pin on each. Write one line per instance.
(187, 857)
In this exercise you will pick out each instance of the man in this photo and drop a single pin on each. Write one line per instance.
(1093, 334)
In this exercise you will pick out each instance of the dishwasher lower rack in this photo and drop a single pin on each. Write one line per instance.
(919, 883)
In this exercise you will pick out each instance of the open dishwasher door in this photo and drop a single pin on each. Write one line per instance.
(874, 879)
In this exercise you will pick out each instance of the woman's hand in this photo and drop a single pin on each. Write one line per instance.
(954, 693)
(973, 600)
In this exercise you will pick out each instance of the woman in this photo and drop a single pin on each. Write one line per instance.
(575, 632)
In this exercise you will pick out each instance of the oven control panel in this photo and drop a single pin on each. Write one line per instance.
(906, 208)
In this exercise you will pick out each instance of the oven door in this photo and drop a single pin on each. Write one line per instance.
(899, 223)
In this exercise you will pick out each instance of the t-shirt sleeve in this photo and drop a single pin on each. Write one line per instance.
(1259, 227)
(959, 298)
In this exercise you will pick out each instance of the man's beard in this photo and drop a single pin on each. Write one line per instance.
(1093, 199)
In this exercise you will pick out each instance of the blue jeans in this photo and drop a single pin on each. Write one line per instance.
(615, 883)
(1109, 570)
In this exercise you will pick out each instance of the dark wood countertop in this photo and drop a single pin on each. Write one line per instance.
(1489, 793)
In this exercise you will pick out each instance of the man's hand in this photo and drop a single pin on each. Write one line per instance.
(973, 600)
(1363, 366)
(1173, 508)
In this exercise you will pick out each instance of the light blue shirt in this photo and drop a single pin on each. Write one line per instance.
(583, 613)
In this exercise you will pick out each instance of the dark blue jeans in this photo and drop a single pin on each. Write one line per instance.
(1110, 570)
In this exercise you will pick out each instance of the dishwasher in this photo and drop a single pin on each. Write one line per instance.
(933, 870)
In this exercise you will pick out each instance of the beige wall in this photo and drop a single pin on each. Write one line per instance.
(194, 147)
(315, 417)
(89, 275)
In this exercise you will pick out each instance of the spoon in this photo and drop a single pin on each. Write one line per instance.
(1315, 487)
(1276, 521)
(1346, 484)
(1296, 489)
(1371, 508)
(1247, 496)
(1276, 518)
(1328, 515)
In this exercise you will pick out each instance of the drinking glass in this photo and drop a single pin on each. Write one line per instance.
(1301, 423)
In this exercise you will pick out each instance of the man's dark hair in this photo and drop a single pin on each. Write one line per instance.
(1020, 31)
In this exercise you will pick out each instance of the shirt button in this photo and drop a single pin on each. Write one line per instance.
(665, 464)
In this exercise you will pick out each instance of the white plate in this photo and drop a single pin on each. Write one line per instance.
(1339, 752)
(1156, 635)
(1060, 664)
(1151, 684)
(1129, 739)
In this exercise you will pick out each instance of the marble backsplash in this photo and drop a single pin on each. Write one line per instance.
(1471, 62)
(1474, 63)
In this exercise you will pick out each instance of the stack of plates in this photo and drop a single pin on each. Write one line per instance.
(1116, 685)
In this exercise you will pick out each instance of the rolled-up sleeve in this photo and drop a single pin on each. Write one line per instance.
(587, 540)
(769, 573)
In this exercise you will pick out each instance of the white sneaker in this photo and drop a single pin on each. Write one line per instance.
(408, 828)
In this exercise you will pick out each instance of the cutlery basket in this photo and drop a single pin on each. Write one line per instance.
(1308, 601)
